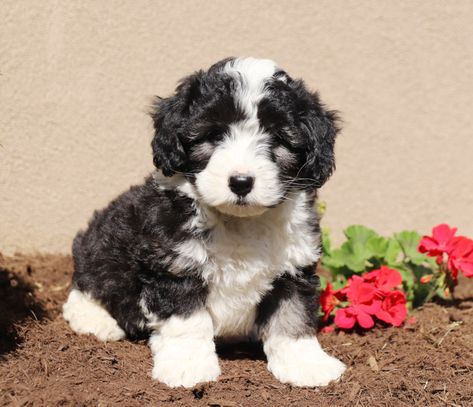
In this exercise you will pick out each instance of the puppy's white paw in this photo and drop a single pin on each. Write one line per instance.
(301, 362)
(184, 351)
(86, 316)
(185, 367)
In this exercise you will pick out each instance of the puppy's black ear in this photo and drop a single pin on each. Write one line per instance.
(171, 122)
(319, 128)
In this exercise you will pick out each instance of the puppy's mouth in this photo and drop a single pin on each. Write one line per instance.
(241, 208)
(242, 202)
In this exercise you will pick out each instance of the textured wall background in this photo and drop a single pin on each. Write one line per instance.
(76, 78)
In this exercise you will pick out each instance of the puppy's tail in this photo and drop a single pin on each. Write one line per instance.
(77, 251)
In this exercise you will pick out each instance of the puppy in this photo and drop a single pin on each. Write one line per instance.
(222, 240)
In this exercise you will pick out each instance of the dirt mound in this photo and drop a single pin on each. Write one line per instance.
(43, 363)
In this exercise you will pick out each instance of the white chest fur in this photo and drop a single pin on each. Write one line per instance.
(245, 256)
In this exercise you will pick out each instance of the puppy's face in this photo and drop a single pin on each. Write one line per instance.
(245, 134)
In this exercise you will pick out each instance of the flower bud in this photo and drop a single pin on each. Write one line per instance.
(426, 279)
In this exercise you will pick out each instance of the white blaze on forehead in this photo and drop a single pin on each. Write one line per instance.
(251, 75)
(253, 71)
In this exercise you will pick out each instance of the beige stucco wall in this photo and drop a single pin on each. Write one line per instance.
(76, 78)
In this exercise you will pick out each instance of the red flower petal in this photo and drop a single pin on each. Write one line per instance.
(393, 309)
(443, 234)
(360, 292)
(428, 245)
(328, 301)
(365, 320)
(325, 297)
(388, 278)
(371, 308)
(399, 314)
(327, 329)
(466, 266)
(371, 276)
(384, 316)
(384, 278)
(467, 270)
(439, 242)
(461, 257)
(344, 318)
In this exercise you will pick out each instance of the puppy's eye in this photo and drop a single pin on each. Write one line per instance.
(214, 135)
(210, 135)
(289, 139)
(284, 142)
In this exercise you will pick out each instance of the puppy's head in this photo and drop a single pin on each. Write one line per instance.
(245, 134)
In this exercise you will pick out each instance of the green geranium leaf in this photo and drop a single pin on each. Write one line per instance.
(409, 241)
(352, 256)
(326, 241)
(408, 280)
(419, 270)
(332, 261)
(421, 294)
(392, 251)
(359, 233)
(339, 282)
(377, 246)
(432, 263)
(323, 283)
(440, 292)
(355, 251)
(441, 280)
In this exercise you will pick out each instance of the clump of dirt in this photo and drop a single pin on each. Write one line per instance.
(42, 362)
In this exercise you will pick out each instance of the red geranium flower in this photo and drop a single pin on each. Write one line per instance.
(393, 309)
(327, 329)
(329, 299)
(364, 304)
(461, 257)
(384, 279)
(439, 242)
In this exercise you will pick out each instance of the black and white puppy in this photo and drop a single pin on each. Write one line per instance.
(222, 240)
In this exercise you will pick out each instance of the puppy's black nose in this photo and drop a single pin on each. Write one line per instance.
(241, 184)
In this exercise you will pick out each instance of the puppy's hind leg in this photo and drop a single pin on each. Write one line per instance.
(87, 316)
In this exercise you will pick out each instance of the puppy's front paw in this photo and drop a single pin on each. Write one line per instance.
(184, 351)
(302, 362)
(185, 367)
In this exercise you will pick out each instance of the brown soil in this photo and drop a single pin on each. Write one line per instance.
(43, 363)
